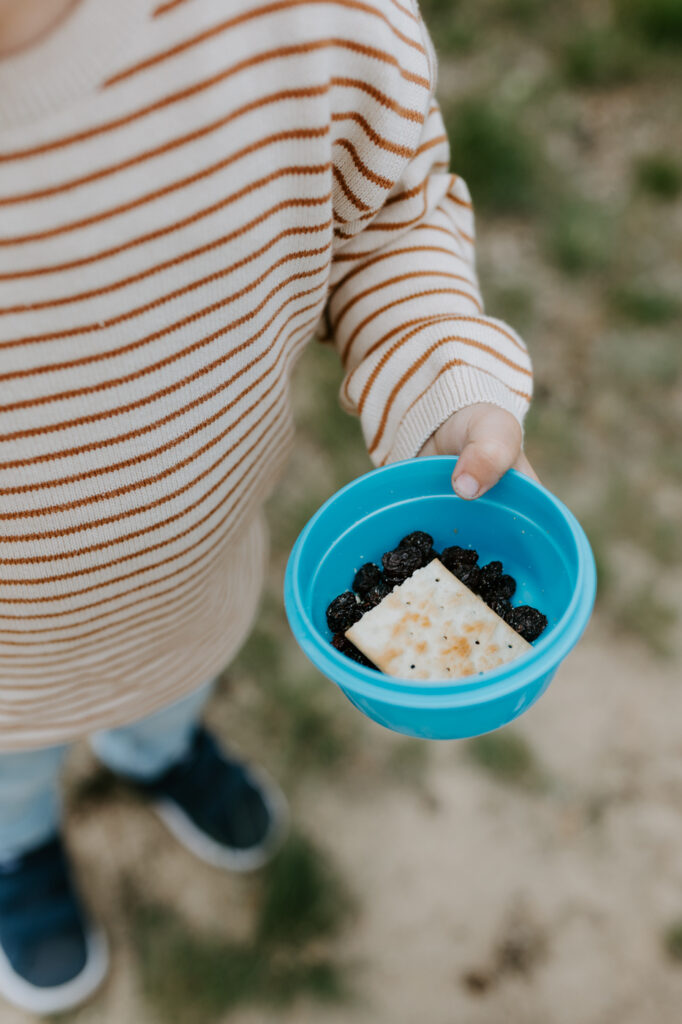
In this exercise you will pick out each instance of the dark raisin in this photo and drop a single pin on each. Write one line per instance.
(400, 564)
(491, 572)
(489, 577)
(375, 594)
(343, 612)
(344, 645)
(505, 587)
(528, 622)
(367, 576)
(458, 556)
(423, 542)
(501, 607)
(468, 575)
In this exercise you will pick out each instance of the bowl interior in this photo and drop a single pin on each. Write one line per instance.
(516, 523)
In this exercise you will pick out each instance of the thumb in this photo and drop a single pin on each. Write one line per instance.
(491, 446)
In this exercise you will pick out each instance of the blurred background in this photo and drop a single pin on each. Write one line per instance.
(534, 875)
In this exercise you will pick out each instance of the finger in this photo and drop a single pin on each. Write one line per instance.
(492, 446)
(430, 448)
(524, 466)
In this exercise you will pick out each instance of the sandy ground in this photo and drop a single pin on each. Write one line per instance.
(480, 902)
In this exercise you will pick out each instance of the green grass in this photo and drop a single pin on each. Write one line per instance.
(493, 153)
(506, 757)
(580, 237)
(648, 307)
(524, 13)
(302, 715)
(192, 977)
(641, 368)
(599, 58)
(513, 303)
(551, 440)
(659, 175)
(672, 941)
(450, 24)
(644, 616)
(261, 656)
(626, 511)
(189, 977)
(303, 897)
(658, 22)
(305, 718)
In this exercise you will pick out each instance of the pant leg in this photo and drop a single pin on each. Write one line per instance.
(30, 803)
(147, 747)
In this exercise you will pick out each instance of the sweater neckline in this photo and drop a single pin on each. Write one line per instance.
(72, 59)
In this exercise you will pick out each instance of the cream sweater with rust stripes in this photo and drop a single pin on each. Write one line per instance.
(188, 190)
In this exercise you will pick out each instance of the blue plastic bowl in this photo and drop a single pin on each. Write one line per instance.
(518, 522)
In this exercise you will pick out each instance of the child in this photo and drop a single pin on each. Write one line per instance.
(189, 190)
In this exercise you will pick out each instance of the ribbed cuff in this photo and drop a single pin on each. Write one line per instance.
(453, 390)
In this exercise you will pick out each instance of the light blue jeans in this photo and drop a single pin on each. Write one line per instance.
(30, 804)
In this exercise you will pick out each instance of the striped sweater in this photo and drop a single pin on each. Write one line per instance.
(189, 190)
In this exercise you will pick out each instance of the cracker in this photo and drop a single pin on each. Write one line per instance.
(432, 627)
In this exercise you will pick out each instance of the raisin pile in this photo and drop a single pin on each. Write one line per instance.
(343, 644)
(371, 584)
(400, 564)
(343, 612)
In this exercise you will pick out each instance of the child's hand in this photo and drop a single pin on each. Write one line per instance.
(488, 440)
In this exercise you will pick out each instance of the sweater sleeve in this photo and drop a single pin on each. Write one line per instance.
(405, 310)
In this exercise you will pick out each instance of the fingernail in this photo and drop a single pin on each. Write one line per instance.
(466, 486)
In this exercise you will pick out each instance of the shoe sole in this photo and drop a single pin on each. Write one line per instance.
(231, 858)
(47, 1001)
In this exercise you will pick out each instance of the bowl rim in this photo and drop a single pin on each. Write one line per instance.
(545, 656)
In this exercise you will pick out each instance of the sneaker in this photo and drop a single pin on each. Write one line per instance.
(228, 815)
(51, 958)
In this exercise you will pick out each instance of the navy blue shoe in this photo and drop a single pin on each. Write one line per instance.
(227, 814)
(51, 959)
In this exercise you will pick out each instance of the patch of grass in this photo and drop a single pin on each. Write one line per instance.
(580, 239)
(297, 501)
(658, 22)
(672, 941)
(303, 897)
(600, 58)
(261, 655)
(506, 757)
(451, 27)
(525, 13)
(551, 439)
(644, 306)
(669, 461)
(493, 153)
(294, 706)
(643, 615)
(641, 368)
(189, 977)
(659, 175)
(192, 977)
(513, 303)
(302, 716)
(627, 512)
